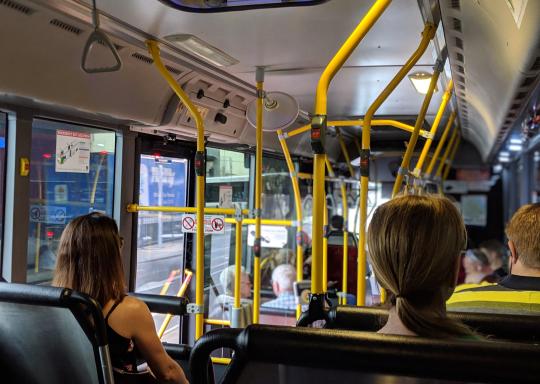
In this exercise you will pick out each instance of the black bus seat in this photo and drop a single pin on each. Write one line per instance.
(499, 326)
(176, 306)
(51, 335)
(283, 355)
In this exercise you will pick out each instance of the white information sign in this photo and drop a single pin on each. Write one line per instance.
(225, 196)
(213, 224)
(271, 236)
(474, 210)
(72, 151)
(47, 214)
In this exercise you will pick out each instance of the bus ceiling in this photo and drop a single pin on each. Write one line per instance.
(293, 43)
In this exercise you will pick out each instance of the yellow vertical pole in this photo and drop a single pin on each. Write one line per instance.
(238, 262)
(200, 169)
(325, 248)
(427, 144)
(447, 152)
(440, 144)
(258, 196)
(427, 35)
(414, 137)
(299, 215)
(451, 159)
(317, 132)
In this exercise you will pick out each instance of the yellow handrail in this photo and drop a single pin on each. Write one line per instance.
(200, 166)
(355, 123)
(225, 323)
(447, 152)
(237, 263)
(345, 152)
(451, 159)
(319, 195)
(181, 292)
(440, 144)
(298, 209)
(221, 360)
(427, 144)
(133, 208)
(414, 137)
(427, 35)
(258, 196)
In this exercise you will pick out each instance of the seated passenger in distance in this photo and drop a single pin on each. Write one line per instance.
(220, 308)
(519, 292)
(89, 261)
(414, 245)
(283, 278)
(496, 254)
(477, 267)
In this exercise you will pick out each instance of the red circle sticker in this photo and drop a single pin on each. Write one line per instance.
(188, 223)
(217, 224)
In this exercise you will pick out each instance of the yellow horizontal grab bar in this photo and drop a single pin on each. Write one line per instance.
(354, 123)
(133, 208)
(282, 223)
(226, 323)
(221, 360)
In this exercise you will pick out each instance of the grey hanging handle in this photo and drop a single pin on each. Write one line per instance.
(98, 37)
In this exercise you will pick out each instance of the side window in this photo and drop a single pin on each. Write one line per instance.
(71, 174)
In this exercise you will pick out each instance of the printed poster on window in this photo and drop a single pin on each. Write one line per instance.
(72, 151)
(474, 210)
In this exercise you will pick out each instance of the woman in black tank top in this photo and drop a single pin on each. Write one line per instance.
(89, 261)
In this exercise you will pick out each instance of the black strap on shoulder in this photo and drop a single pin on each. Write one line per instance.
(112, 309)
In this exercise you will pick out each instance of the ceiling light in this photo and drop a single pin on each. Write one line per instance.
(504, 154)
(421, 81)
(504, 159)
(515, 141)
(202, 49)
(515, 147)
(497, 168)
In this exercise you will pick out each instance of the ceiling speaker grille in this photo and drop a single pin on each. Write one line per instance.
(149, 60)
(17, 7)
(66, 27)
(454, 4)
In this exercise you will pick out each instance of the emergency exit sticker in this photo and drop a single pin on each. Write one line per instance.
(213, 224)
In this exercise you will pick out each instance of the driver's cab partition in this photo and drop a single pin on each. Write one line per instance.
(269, 354)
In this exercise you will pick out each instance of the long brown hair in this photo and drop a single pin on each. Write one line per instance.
(414, 245)
(89, 258)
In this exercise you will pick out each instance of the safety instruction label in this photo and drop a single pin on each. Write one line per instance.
(72, 151)
(213, 224)
(47, 214)
(271, 236)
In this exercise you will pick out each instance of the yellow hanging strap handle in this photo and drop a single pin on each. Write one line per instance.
(427, 35)
(258, 196)
(318, 127)
(451, 159)
(298, 208)
(446, 153)
(200, 169)
(427, 144)
(440, 144)
(404, 168)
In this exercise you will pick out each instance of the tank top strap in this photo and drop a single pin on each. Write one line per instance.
(112, 309)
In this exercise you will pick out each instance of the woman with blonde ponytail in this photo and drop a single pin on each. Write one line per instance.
(414, 245)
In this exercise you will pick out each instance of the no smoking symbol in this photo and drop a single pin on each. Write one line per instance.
(217, 224)
(188, 223)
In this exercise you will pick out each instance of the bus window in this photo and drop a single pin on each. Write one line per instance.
(71, 174)
(227, 186)
(3, 125)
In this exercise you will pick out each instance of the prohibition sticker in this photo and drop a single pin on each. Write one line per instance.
(212, 224)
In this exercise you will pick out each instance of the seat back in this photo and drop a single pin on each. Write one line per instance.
(498, 326)
(266, 354)
(51, 335)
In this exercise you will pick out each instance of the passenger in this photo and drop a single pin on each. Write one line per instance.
(519, 292)
(336, 223)
(496, 254)
(414, 244)
(220, 308)
(477, 267)
(283, 278)
(89, 261)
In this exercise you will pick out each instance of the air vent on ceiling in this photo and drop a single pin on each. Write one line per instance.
(460, 69)
(459, 43)
(527, 81)
(17, 7)
(118, 47)
(456, 24)
(454, 4)
(459, 57)
(149, 60)
(66, 27)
